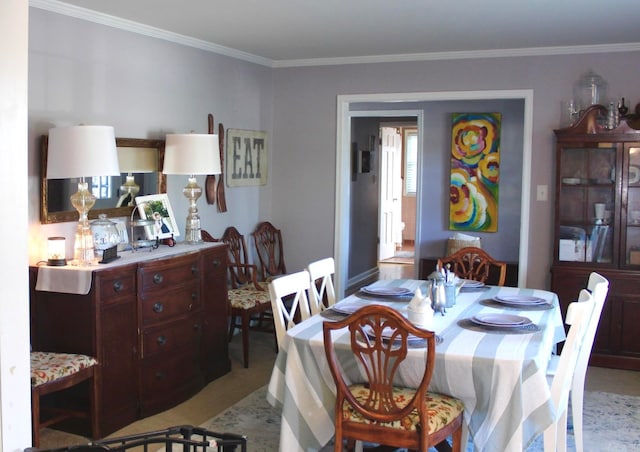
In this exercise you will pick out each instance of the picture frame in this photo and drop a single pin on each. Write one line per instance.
(158, 207)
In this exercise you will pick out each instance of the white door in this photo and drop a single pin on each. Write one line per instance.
(390, 191)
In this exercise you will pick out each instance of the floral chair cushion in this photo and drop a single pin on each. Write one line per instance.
(442, 409)
(49, 366)
(246, 298)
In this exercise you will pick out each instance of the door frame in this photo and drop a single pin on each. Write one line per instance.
(343, 167)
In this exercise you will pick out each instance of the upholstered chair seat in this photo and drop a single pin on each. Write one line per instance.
(447, 407)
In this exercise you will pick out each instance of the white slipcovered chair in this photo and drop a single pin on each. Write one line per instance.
(322, 293)
(598, 285)
(289, 301)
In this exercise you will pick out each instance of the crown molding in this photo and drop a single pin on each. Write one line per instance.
(461, 55)
(136, 27)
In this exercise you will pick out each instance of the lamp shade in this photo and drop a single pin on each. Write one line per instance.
(191, 154)
(81, 151)
(137, 160)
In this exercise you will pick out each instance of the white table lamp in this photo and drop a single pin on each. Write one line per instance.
(79, 152)
(135, 160)
(192, 154)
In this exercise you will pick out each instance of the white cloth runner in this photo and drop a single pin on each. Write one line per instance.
(77, 279)
(499, 377)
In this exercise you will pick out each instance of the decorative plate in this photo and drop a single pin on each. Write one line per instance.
(501, 320)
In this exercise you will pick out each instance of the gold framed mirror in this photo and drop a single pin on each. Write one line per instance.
(55, 205)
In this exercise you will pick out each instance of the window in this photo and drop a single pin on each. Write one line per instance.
(410, 161)
(101, 187)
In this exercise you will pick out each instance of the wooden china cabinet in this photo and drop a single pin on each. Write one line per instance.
(597, 228)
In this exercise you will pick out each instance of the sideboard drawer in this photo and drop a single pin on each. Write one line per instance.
(170, 336)
(167, 273)
(115, 285)
(170, 303)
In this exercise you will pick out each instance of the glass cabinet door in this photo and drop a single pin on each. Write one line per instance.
(631, 178)
(586, 201)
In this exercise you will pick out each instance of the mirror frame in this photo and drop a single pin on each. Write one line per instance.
(47, 217)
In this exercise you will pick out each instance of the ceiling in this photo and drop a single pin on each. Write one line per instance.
(281, 31)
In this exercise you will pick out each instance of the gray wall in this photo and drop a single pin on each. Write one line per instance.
(84, 73)
(305, 121)
(145, 87)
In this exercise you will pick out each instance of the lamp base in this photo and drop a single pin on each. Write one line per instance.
(56, 262)
(193, 234)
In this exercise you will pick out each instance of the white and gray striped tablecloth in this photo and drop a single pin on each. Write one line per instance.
(500, 377)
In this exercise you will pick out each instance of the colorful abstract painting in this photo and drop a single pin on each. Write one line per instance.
(475, 172)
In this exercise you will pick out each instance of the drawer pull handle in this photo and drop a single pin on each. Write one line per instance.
(157, 278)
(216, 263)
(196, 327)
(161, 340)
(194, 270)
(194, 296)
(158, 307)
(190, 307)
(117, 286)
(159, 375)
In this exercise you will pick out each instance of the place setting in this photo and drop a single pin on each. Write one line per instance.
(499, 323)
(519, 302)
(391, 293)
(469, 285)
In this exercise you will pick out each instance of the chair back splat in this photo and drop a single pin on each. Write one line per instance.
(269, 248)
(378, 410)
(289, 301)
(475, 264)
(322, 293)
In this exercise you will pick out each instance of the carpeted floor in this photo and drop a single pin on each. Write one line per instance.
(610, 423)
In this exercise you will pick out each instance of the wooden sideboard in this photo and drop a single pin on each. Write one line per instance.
(156, 321)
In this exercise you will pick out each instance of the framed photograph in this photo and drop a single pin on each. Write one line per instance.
(158, 208)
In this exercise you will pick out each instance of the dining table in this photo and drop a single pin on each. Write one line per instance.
(497, 371)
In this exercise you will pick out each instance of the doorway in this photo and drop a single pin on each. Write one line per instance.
(398, 181)
(349, 106)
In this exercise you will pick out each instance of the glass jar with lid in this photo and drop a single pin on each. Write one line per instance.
(105, 234)
(590, 90)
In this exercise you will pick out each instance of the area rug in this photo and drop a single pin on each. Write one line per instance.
(610, 423)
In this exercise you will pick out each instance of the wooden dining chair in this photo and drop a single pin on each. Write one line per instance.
(376, 409)
(475, 264)
(578, 315)
(289, 302)
(52, 372)
(248, 297)
(269, 249)
(322, 294)
(598, 286)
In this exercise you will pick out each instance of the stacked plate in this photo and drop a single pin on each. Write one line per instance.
(520, 300)
(471, 284)
(347, 307)
(501, 320)
(387, 291)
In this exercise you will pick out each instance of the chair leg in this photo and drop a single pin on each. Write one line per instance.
(577, 398)
(232, 326)
(35, 417)
(246, 320)
(457, 440)
(94, 405)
